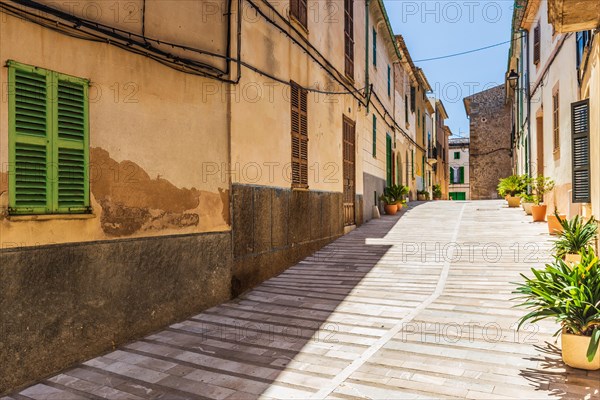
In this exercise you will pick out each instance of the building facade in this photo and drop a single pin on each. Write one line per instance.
(458, 155)
(551, 82)
(490, 141)
(154, 166)
(583, 23)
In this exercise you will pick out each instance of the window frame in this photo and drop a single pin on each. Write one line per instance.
(556, 119)
(52, 139)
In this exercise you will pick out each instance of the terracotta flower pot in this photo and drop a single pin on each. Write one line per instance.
(391, 209)
(554, 226)
(513, 201)
(573, 258)
(538, 212)
(527, 207)
(574, 350)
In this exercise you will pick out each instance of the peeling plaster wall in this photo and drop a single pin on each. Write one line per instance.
(151, 131)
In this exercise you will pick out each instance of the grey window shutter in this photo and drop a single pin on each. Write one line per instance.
(580, 128)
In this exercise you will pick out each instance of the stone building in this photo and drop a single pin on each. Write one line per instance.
(162, 157)
(553, 83)
(458, 156)
(490, 141)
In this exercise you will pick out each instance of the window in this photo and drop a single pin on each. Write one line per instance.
(418, 117)
(457, 155)
(582, 40)
(412, 99)
(555, 121)
(374, 136)
(580, 129)
(299, 11)
(48, 142)
(406, 109)
(349, 38)
(389, 81)
(299, 112)
(536, 44)
(412, 164)
(374, 47)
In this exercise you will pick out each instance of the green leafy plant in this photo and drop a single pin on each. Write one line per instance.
(577, 235)
(540, 186)
(437, 191)
(512, 185)
(527, 198)
(570, 294)
(424, 193)
(386, 199)
(396, 193)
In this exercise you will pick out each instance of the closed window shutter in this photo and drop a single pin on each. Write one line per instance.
(48, 142)
(30, 151)
(70, 146)
(374, 136)
(452, 175)
(536, 44)
(461, 175)
(580, 127)
(299, 10)
(349, 37)
(299, 112)
(389, 81)
(374, 47)
(302, 12)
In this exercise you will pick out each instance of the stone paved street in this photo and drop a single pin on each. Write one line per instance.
(408, 308)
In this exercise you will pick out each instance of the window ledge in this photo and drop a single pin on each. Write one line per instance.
(49, 217)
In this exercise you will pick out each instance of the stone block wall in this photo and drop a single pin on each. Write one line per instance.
(274, 228)
(490, 141)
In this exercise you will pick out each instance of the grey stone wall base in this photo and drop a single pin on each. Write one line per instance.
(62, 304)
(274, 228)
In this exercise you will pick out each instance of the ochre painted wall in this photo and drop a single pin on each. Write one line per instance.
(150, 133)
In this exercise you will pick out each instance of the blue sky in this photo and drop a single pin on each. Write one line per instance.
(434, 28)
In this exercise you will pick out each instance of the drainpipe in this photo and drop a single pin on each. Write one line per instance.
(528, 97)
(367, 87)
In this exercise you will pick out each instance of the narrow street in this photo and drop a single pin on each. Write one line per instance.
(408, 307)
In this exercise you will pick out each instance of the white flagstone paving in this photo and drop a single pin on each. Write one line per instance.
(417, 307)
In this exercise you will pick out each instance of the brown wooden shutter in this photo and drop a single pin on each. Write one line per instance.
(299, 10)
(580, 128)
(303, 12)
(294, 4)
(536, 44)
(349, 37)
(299, 108)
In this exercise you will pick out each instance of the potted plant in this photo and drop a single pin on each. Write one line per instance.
(437, 192)
(570, 294)
(397, 194)
(555, 222)
(422, 195)
(512, 186)
(540, 185)
(390, 206)
(576, 236)
(527, 200)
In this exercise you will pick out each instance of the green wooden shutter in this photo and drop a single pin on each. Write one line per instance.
(374, 136)
(389, 81)
(580, 129)
(48, 141)
(30, 152)
(374, 47)
(388, 159)
(412, 164)
(70, 145)
(461, 175)
(451, 175)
